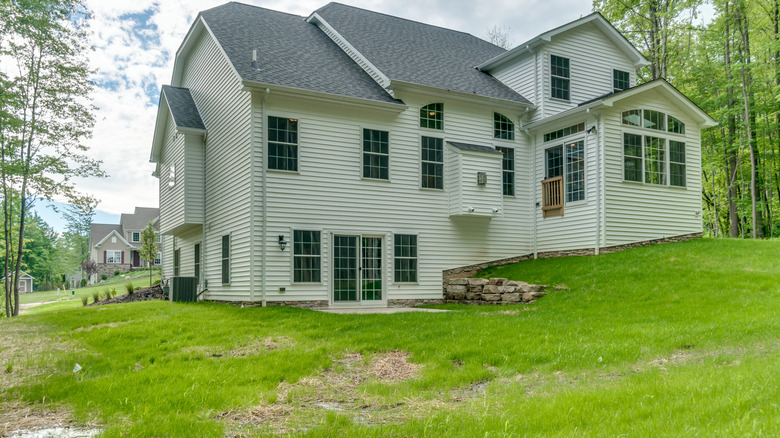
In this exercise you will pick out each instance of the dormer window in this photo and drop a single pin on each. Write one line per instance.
(620, 80)
(432, 116)
(503, 128)
(560, 77)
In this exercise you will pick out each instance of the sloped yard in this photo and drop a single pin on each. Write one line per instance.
(672, 340)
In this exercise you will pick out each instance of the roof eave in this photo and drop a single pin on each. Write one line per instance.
(424, 89)
(706, 121)
(320, 95)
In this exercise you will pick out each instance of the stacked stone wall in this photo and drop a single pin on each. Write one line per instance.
(491, 291)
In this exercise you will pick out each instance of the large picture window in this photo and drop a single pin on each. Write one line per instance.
(113, 256)
(282, 143)
(306, 256)
(568, 161)
(432, 163)
(560, 78)
(508, 167)
(405, 260)
(653, 159)
(376, 154)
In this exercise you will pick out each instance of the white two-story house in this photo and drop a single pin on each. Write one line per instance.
(351, 157)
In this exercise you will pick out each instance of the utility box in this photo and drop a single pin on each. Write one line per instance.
(184, 289)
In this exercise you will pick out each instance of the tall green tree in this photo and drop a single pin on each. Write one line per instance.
(79, 220)
(46, 41)
(148, 250)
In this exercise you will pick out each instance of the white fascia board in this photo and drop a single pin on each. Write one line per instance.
(605, 26)
(597, 105)
(324, 97)
(128, 244)
(163, 112)
(350, 50)
(459, 95)
(196, 30)
(671, 92)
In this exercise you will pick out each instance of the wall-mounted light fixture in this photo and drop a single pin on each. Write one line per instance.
(282, 242)
(591, 130)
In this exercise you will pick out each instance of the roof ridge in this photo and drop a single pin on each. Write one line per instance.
(249, 6)
(406, 19)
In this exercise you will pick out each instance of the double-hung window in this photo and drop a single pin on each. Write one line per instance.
(306, 256)
(508, 170)
(432, 163)
(432, 116)
(113, 256)
(158, 259)
(568, 161)
(196, 265)
(653, 157)
(282, 143)
(560, 77)
(177, 262)
(376, 154)
(136, 237)
(405, 258)
(620, 80)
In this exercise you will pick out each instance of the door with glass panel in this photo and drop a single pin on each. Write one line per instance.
(357, 269)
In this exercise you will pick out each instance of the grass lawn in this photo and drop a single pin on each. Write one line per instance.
(138, 278)
(671, 340)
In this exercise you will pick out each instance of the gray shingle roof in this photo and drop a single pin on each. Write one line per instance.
(418, 53)
(474, 147)
(98, 231)
(290, 52)
(138, 219)
(185, 112)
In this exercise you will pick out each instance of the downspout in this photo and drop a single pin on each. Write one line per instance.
(598, 183)
(203, 239)
(603, 197)
(263, 191)
(534, 201)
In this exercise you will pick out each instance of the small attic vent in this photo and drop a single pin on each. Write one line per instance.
(255, 65)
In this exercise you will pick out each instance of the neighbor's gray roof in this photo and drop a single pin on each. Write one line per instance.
(418, 53)
(98, 231)
(290, 52)
(185, 112)
(138, 219)
(474, 147)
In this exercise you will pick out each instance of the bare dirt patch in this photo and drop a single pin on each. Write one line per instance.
(252, 348)
(146, 294)
(18, 419)
(100, 326)
(335, 389)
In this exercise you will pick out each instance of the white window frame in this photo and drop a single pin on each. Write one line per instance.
(133, 234)
(665, 135)
(417, 258)
(562, 142)
(321, 256)
(443, 162)
(560, 99)
(111, 256)
(267, 141)
(158, 260)
(363, 153)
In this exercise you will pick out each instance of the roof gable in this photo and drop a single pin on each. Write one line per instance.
(177, 103)
(407, 51)
(595, 18)
(115, 233)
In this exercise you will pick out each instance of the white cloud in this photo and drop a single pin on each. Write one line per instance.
(134, 61)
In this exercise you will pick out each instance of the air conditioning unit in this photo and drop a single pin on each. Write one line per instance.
(184, 289)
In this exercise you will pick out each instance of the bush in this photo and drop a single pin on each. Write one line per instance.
(83, 282)
(84, 300)
(113, 292)
(129, 287)
(106, 294)
(104, 277)
(95, 297)
(117, 272)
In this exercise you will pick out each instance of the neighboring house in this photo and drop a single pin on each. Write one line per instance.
(117, 247)
(25, 282)
(351, 157)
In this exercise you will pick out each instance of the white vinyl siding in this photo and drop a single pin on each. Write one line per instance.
(634, 211)
(225, 109)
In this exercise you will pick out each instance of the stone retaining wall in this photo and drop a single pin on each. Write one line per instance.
(492, 291)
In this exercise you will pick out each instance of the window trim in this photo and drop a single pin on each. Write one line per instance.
(496, 130)
(197, 252)
(267, 141)
(115, 251)
(420, 163)
(229, 258)
(417, 258)
(667, 137)
(158, 260)
(562, 142)
(362, 154)
(292, 255)
(499, 147)
(132, 236)
(420, 119)
(628, 85)
(559, 77)
(177, 262)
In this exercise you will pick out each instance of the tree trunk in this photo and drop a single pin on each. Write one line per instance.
(731, 151)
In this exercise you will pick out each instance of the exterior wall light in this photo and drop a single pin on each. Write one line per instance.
(282, 242)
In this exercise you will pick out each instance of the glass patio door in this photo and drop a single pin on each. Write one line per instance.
(357, 269)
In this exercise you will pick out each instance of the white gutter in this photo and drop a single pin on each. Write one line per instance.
(263, 192)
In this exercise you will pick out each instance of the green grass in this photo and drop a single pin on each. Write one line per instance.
(670, 340)
(138, 278)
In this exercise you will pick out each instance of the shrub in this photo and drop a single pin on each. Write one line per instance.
(83, 282)
(129, 287)
(84, 300)
(117, 272)
(106, 294)
(113, 292)
(104, 277)
(95, 297)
